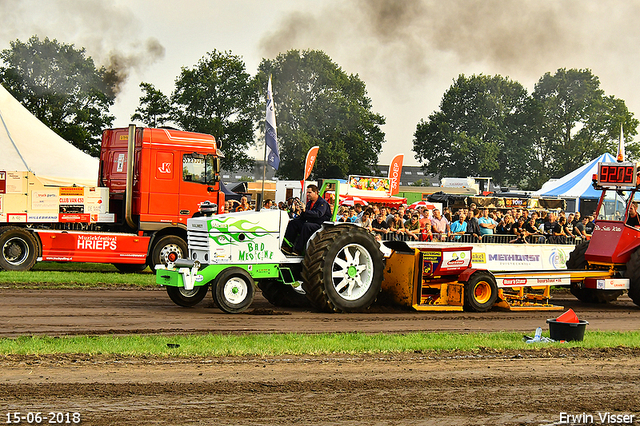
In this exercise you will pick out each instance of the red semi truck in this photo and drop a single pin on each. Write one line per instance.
(136, 215)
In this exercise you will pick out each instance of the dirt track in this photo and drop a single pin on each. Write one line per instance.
(70, 312)
(492, 388)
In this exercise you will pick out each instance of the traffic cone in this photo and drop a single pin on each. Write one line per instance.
(568, 316)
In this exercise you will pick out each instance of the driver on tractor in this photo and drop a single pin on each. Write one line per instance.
(300, 229)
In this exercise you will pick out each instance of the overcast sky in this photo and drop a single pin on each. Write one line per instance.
(408, 52)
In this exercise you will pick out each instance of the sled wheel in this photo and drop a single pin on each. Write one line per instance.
(633, 273)
(18, 249)
(342, 269)
(283, 295)
(168, 249)
(234, 290)
(577, 262)
(480, 292)
(130, 268)
(187, 298)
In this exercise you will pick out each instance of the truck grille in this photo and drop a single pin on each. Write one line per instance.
(198, 240)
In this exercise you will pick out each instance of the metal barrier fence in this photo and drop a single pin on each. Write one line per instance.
(486, 239)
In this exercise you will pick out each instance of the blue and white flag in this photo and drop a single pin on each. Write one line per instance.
(271, 135)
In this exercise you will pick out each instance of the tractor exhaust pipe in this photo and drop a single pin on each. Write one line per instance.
(128, 194)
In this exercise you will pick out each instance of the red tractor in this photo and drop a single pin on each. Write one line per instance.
(614, 245)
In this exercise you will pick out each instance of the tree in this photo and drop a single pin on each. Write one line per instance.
(477, 131)
(317, 103)
(219, 97)
(62, 87)
(155, 107)
(575, 122)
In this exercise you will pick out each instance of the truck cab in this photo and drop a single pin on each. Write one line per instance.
(173, 173)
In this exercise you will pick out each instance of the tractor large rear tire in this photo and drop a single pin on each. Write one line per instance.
(283, 295)
(342, 269)
(633, 273)
(577, 262)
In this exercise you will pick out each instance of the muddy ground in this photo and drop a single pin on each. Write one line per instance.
(71, 312)
(486, 388)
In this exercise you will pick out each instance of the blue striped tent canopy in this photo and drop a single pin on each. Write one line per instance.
(576, 184)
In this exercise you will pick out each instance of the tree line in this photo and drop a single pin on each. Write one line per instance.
(485, 126)
(491, 126)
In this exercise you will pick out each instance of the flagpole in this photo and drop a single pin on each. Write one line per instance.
(270, 137)
(264, 166)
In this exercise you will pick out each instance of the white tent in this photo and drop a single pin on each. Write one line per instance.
(27, 144)
(576, 184)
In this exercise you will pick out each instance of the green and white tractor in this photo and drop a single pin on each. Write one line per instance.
(340, 271)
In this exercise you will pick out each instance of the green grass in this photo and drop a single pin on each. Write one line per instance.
(218, 345)
(75, 275)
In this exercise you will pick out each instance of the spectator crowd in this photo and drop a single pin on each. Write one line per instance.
(472, 224)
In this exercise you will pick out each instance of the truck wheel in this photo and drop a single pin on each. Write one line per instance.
(130, 268)
(283, 295)
(168, 249)
(577, 262)
(480, 292)
(187, 298)
(342, 269)
(18, 249)
(633, 273)
(234, 290)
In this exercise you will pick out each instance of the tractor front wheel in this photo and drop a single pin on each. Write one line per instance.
(187, 298)
(234, 290)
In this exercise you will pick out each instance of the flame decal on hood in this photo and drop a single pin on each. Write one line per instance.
(226, 231)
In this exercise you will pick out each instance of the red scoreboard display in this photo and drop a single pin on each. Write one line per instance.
(617, 174)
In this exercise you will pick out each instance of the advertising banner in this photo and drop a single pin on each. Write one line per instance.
(395, 172)
(369, 183)
(310, 161)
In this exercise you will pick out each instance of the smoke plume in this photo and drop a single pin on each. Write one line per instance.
(109, 33)
(405, 41)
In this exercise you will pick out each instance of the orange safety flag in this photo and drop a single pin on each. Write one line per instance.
(395, 170)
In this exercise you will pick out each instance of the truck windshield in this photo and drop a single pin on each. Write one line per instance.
(614, 205)
(199, 168)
